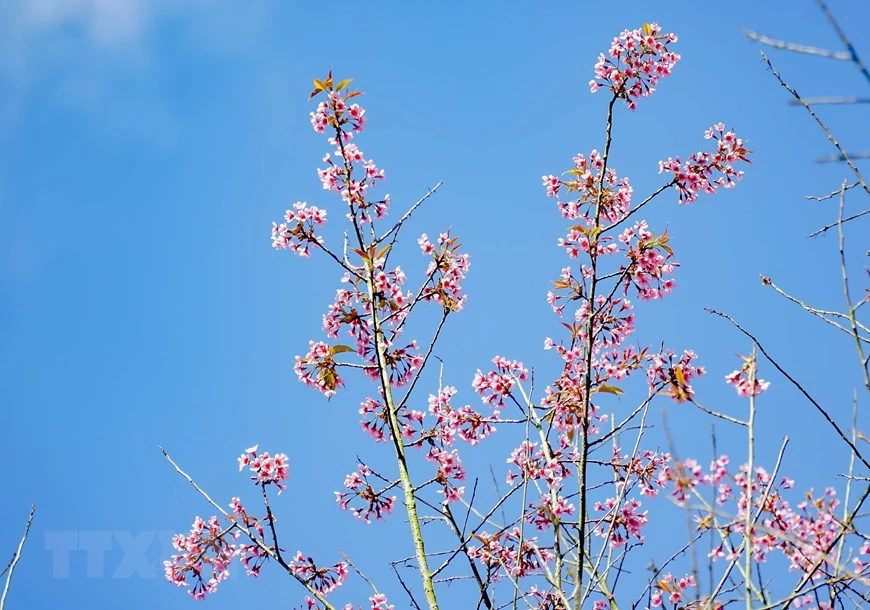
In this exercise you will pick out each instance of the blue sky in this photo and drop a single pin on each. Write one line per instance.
(148, 146)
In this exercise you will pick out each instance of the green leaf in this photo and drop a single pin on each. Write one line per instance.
(343, 84)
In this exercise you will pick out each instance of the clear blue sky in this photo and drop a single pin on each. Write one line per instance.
(145, 148)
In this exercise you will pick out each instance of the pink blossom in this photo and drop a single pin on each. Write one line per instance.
(637, 60)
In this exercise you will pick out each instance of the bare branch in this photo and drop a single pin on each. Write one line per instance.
(797, 48)
(855, 156)
(397, 227)
(844, 220)
(853, 55)
(831, 100)
(833, 194)
(11, 567)
(819, 121)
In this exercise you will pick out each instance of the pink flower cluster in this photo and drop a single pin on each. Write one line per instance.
(674, 374)
(323, 580)
(534, 465)
(338, 178)
(622, 520)
(465, 422)
(548, 510)
(336, 112)
(297, 232)
(550, 600)
(647, 468)
(267, 469)
(804, 533)
(446, 271)
(671, 587)
(252, 556)
(496, 385)
(450, 469)
(648, 255)
(707, 172)
(595, 187)
(741, 381)
(373, 503)
(317, 368)
(346, 120)
(206, 554)
(637, 60)
(512, 552)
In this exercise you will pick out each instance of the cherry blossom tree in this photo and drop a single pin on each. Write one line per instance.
(585, 478)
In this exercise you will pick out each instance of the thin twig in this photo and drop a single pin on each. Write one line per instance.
(855, 156)
(834, 224)
(357, 570)
(820, 313)
(16, 557)
(396, 227)
(819, 121)
(832, 194)
(797, 385)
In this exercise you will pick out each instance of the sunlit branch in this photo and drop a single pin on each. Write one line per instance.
(16, 557)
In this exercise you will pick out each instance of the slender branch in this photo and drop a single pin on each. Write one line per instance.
(797, 385)
(820, 313)
(797, 48)
(587, 380)
(853, 54)
(405, 586)
(834, 224)
(819, 121)
(855, 156)
(397, 227)
(16, 557)
(727, 418)
(831, 100)
(846, 295)
(271, 519)
(425, 360)
(342, 263)
(832, 194)
(357, 570)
